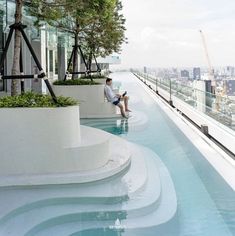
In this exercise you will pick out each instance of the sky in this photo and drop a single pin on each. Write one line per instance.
(165, 33)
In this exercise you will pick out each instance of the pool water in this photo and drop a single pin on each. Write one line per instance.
(206, 203)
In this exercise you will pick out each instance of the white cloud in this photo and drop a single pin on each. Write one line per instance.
(166, 33)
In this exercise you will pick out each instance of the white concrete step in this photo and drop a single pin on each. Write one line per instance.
(168, 204)
(100, 155)
(93, 151)
(161, 217)
(136, 122)
(117, 188)
(141, 198)
(98, 110)
(141, 203)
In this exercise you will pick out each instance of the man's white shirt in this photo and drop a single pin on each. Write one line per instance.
(110, 95)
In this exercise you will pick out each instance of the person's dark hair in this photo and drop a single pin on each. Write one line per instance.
(108, 80)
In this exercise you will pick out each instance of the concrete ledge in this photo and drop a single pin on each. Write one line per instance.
(99, 156)
(48, 143)
(91, 98)
(98, 110)
(32, 139)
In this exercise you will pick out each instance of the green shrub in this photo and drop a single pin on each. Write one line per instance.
(35, 100)
(75, 82)
(94, 77)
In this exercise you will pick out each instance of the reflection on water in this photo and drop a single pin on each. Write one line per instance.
(109, 229)
(122, 126)
(111, 125)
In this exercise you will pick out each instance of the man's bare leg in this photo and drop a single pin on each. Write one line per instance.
(122, 110)
(126, 103)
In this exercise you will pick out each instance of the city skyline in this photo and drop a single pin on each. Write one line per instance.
(167, 33)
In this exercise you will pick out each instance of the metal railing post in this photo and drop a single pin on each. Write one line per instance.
(156, 85)
(170, 102)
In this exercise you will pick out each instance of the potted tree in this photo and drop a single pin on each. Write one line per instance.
(99, 27)
(34, 127)
(104, 36)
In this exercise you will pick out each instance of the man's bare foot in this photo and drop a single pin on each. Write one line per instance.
(127, 110)
(125, 116)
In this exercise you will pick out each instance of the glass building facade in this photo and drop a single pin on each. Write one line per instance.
(51, 47)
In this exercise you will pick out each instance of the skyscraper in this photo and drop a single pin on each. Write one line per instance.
(230, 84)
(196, 73)
(184, 74)
(230, 71)
(145, 69)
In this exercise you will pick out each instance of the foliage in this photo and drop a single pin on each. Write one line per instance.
(97, 24)
(106, 33)
(35, 100)
(75, 82)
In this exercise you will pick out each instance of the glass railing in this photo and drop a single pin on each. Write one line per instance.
(217, 106)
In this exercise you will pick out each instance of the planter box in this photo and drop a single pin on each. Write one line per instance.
(91, 99)
(101, 81)
(32, 139)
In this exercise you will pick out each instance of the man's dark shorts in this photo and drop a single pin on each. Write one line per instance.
(116, 102)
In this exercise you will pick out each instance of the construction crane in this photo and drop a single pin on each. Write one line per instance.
(211, 73)
(218, 95)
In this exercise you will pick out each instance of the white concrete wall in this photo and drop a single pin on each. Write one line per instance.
(48, 141)
(91, 99)
(101, 81)
(32, 139)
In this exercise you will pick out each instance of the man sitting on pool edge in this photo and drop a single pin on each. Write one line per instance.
(116, 98)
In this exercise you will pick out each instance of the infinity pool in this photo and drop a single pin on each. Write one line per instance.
(206, 203)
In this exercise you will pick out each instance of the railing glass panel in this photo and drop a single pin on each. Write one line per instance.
(217, 106)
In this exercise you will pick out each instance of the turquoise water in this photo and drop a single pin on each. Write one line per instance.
(203, 196)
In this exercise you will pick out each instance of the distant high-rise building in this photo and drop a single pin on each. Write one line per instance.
(145, 69)
(184, 74)
(175, 70)
(230, 85)
(196, 73)
(230, 70)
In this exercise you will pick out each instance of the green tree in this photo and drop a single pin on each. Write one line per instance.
(97, 24)
(106, 32)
